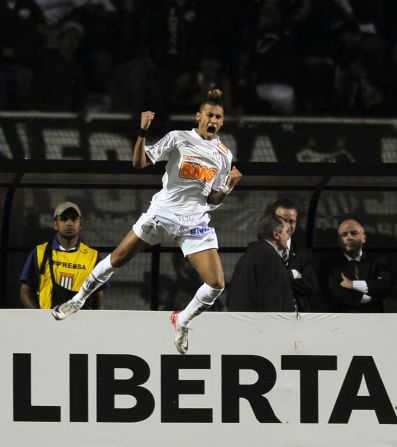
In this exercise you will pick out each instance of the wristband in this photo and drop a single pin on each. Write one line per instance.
(227, 189)
(142, 133)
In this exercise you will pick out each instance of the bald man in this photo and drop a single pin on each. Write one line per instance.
(354, 281)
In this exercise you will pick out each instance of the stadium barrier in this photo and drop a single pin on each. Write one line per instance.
(114, 378)
(69, 136)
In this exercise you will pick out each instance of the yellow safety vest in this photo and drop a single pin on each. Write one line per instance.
(71, 269)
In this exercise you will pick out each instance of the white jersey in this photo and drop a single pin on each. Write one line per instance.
(195, 166)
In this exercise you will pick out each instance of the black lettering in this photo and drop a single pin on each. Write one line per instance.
(78, 392)
(377, 400)
(172, 388)
(233, 391)
(23, 408)
(309, 366)
(108, 387)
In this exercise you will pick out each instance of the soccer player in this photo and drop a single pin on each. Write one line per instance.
(198, 176)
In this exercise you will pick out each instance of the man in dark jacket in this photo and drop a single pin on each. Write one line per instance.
(355, 281)
(260, 281)
(298, 262)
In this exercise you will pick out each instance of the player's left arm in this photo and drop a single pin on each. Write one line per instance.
(217, 197)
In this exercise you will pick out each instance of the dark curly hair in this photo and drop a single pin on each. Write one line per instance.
(214, 98)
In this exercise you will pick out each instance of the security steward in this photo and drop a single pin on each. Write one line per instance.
(54, 271)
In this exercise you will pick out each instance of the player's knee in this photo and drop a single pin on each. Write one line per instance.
(218, 284)
(216, 280)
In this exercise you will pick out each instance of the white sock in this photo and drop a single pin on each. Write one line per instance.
(99, 275)
(202, 300)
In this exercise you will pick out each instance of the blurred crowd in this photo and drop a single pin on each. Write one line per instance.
(270, 57)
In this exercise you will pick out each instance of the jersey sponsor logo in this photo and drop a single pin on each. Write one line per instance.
(193, 171)
(66, 280)
(69, 265)
(223, 148)
(199, 231)
(193, 158)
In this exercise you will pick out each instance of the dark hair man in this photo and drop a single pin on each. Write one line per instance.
(298, 262)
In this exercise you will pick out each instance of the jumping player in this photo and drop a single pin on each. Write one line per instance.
(198, 176)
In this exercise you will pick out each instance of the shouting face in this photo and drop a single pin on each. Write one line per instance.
(210, 120)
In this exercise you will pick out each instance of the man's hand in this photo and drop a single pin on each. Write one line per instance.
(216, 197)
(146, 119)
(346, 282)
(296, 274)
(234, 177)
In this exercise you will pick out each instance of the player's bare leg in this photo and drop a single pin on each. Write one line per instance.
(128, 247)
(209, 266)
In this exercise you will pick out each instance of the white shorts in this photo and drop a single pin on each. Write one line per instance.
(192, 233)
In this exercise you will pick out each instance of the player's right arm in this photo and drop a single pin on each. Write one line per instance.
(140, 159)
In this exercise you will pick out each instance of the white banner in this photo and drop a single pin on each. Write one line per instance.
(114, 378)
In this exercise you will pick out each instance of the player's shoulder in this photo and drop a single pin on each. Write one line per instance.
(169, 135)
(224, 150)
(179, 132)
(169, 139)
(178, 135)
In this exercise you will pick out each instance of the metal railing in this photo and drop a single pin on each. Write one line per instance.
(260, 179)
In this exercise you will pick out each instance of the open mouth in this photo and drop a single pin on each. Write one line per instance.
(211, 129)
